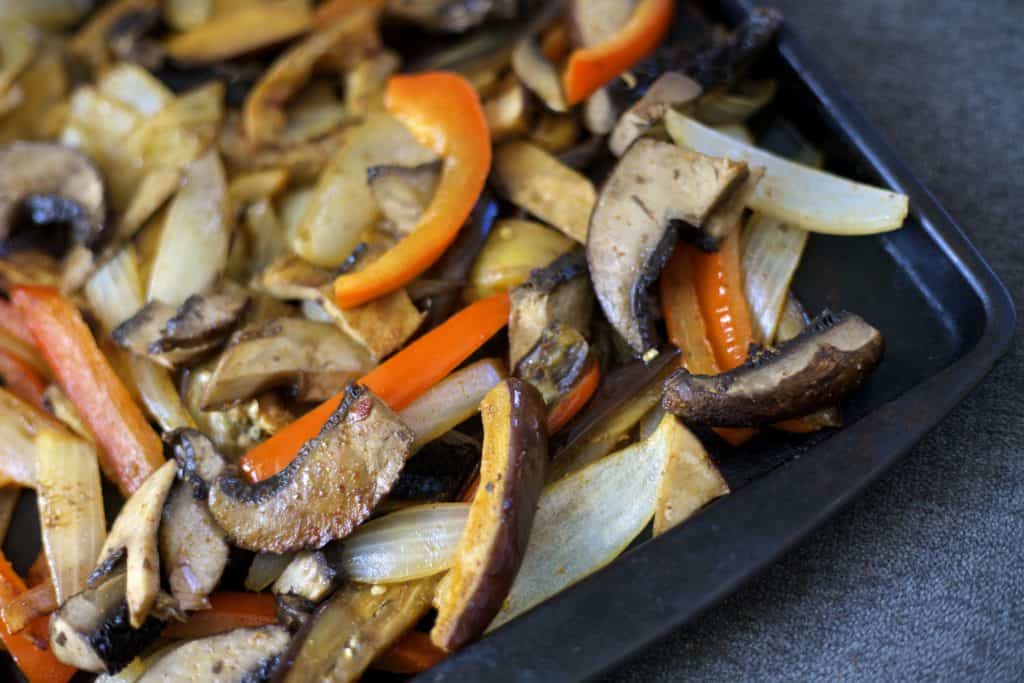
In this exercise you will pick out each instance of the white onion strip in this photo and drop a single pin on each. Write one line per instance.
(771, 254)
(796, 194)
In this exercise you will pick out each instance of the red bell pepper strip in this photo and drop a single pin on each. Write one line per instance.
(591, 68)
(398, 381)
(38, 664)
(21, 379)
(228, 611)
(444, 113)
(130, 449)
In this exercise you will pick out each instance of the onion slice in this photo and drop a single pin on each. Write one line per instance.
(795, 194)
(771, 255)
(70, 500)
(405, 545)
(452, 401)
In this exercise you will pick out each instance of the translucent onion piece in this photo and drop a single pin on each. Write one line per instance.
(771, 255)
(193, 248)
(20, 422)
(71, 512)
(584, 521)
(132, 85)
(512, 251)
(185, 15)
(35, 602)
(737, 131)
(405, 545)
(795, 194)
(114, 293)
(452, 401)
(265, 569)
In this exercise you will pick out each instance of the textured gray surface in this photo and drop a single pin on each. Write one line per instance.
(923, 577)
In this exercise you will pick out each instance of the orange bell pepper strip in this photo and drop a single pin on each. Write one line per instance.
(567, 406)
(591, 68)
(130, 449)
(228, 610)
(414, 653)
(444, 113)
(21, 379)
(706, 314)
(37, 663)
(398, 381)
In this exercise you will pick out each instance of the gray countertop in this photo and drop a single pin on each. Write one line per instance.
(923, 576)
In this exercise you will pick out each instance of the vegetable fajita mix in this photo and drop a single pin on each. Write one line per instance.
(382, 321)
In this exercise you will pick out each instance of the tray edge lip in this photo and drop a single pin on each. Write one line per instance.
(967, 371)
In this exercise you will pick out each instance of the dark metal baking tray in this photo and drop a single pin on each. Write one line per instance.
(946, 319)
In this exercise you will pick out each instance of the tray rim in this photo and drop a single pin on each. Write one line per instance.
(537, 646)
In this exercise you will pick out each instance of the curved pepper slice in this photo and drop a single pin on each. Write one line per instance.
(444, 113)
(591, 68)
(398, 381)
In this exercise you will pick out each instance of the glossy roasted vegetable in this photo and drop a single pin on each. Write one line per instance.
(501, 515)
(813, 371)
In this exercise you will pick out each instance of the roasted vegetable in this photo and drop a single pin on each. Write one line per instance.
(633, 232)
(671, 90)
(351, 629)
(319, 496)
(51, 197)
(540, 184)
(240, 655)
(309, 576)
(817, 369)
(514, 249)
(500, 517)
(403, 193)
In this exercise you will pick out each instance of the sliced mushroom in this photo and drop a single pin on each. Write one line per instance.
(309, 575)
(49, 186)
(245, 654)
(330, 487)
(557, 293)
(669, 91)
(728, 56)
(500, 518)
(825, 363)
(534, 180)
(315, 359)
(135, 534)
(194, 550)
(556, 362)
(380, 326)
(403, 192)
(352, 629)
(174, 335)
(728, 217)
(633, 228)
(91, 631)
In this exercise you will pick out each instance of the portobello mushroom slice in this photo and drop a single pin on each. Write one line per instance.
(175, 335)
(92, 631)
(492, 546)
(403, 192)
(135, 534)
(537, 182)
(315, 360)
(51, 198)
(556, 362)
(671, 90)
(557, 293)
(633, 229)
(826, 362)
(352, 629)
(330, 488)
(245, 654)
(440, 471)
(309, 575)
(193, 548)
(452, 16)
